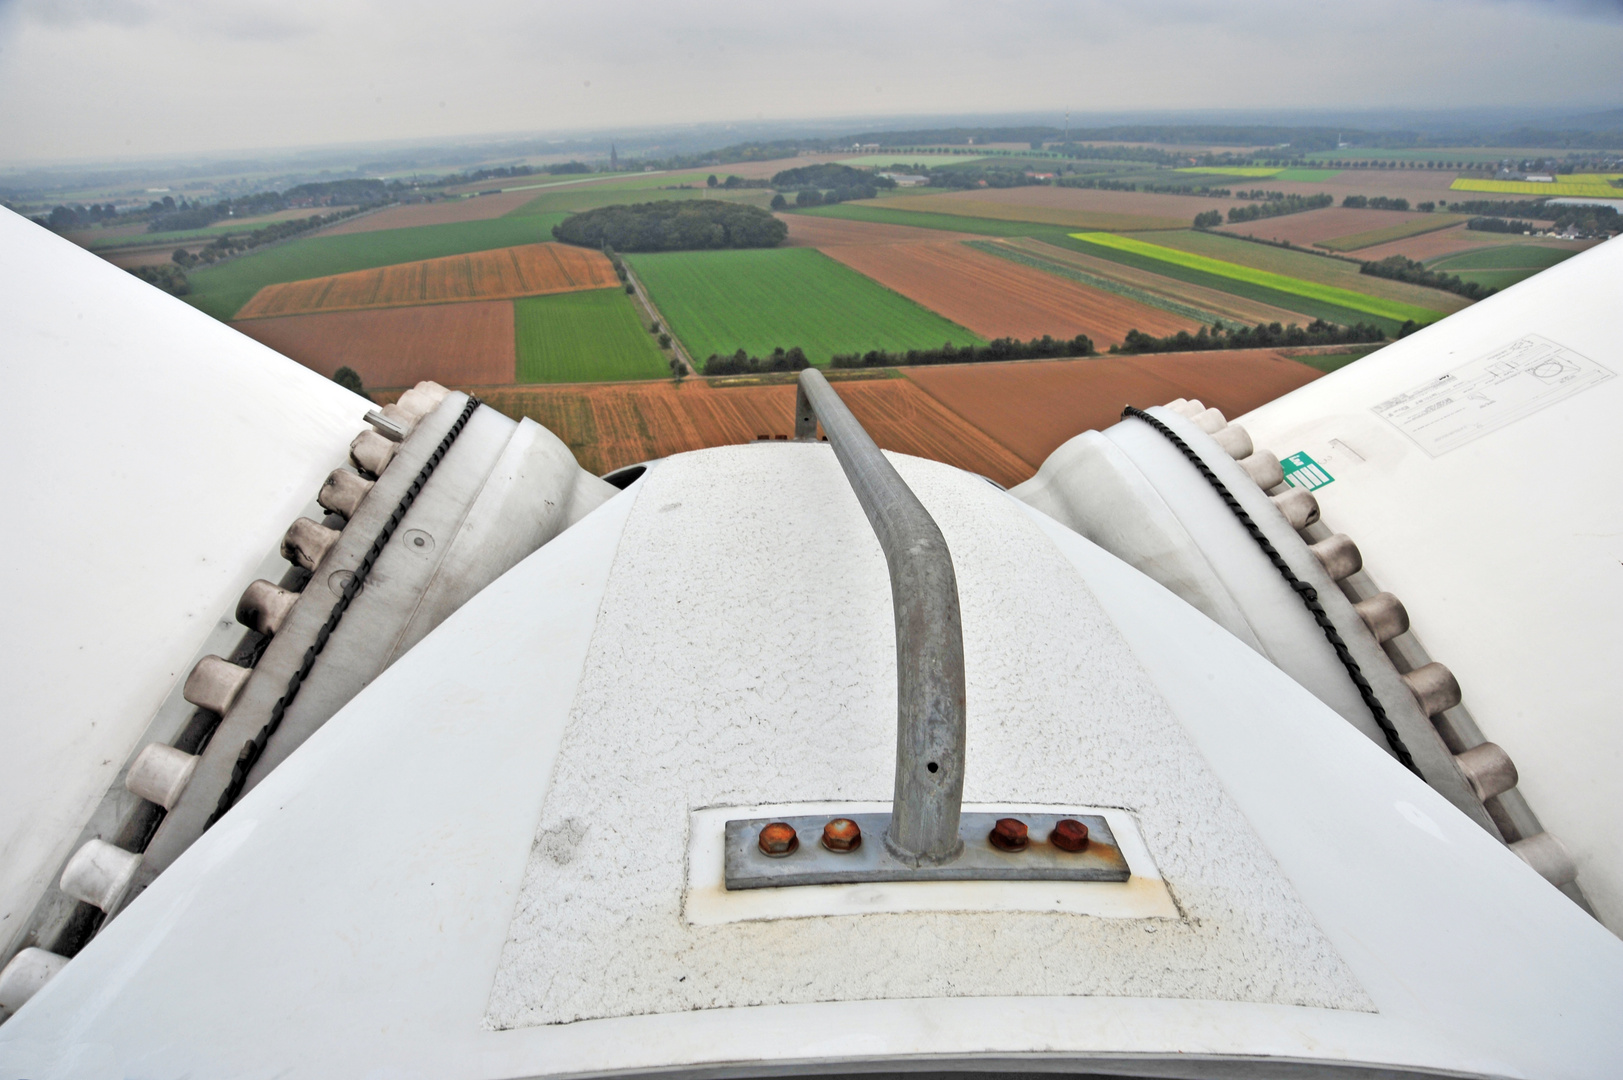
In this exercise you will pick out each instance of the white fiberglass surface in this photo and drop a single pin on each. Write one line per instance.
(154, 457)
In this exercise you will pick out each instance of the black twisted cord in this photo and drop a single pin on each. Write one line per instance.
(254, 747)
(1309, 595)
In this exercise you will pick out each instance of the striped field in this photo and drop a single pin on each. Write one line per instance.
(1581, 186)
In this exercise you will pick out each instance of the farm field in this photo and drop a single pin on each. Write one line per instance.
(879, 214)
(583, 337)
(573, 200)
(911, 160)
(1315, 298)
(1307, 265)
(104, 240)
(500, 274)
(1581, 186)
(1502, 266)
(758, 300)
(1400, 230)
(1416, 185)
(820, 231)
(1453, 241)
(1147, 287)
(1326, 224)
(222, 290)
(1181, 208)
(1296, 175)
(1032, 407)
(1001, 298)
(608, 427)
(979, 204)
(442, 212)
(453, 344)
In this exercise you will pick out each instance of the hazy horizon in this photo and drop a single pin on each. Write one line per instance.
(131, 79)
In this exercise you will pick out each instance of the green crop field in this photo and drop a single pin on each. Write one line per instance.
(1402, 230)
(594, 336)
(910, 160)
(884, 215)
(1504, 257)
(222, 290)
(1311, 297)
(758, 300)
(1255, 172)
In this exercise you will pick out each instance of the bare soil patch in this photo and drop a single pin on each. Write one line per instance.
(1457, 239)
(444, 212)
(453, 344)
(1032, 407)
(611, 426)
(499, 274)
(824, 232)
(1312, 226)
(998, 298)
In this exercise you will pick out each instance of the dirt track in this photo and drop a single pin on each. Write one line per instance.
(453, 344)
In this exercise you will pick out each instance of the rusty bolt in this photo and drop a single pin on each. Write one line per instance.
(778, 839)
(1069, 835)
(1009, 834)
(842, 835)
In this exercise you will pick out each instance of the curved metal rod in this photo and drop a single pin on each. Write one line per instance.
(929, 633)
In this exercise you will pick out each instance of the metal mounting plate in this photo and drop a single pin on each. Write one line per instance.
(813, 864)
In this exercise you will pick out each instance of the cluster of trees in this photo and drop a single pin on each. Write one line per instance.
(741, 363)
(1374, 202)
(350, 380)
(823, 177)
(170, 216)
(236, 243)
(1585, 221)
(1272, 335)
(1104, 184)
(171, 279)
(1290, 204)
(732, 182)
(1259, 194)
(813, 197)
(1399, 268)
(77, 216)
(1042, 348)
(699, 224)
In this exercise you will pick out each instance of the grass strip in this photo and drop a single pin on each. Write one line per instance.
(1082, 277)
(1362, 303)
(594, 336)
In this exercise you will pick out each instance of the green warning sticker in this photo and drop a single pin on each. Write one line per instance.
(1303, 472)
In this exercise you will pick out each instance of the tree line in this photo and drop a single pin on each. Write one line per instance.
(1399, 268)
(1374, 202)
(686, 225)
(1290, 204)
(1043, 348)
(236, 243)
(1261, 336)
(742, 363)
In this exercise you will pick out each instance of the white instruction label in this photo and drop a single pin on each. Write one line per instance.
(1529, 374)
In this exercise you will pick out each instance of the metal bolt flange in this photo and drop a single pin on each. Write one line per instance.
(1009, 834)
(842, 835)
(1069, 835)
(778, 840)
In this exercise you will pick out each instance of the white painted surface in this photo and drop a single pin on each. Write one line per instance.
(347, 917)
(154, 456)
(707, 901)
(1507, 548)
(732, 675)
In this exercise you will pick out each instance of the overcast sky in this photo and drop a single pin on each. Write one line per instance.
(109, 78)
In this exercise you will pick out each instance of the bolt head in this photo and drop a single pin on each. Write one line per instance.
(842, 835)
(777, 840)
(1069, 835)
(1009, 834)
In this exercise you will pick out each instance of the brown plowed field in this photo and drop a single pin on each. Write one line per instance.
(445, 212)
(1457, 239)
(1308, 228)
(998, 298)
(453, 344)
(820, 232)
(1003, 205)
(1181, 208)
(609, 426)
(1216, 301)
(502, 274)
(1032, 407)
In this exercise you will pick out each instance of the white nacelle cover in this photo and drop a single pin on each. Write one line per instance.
(490, 863)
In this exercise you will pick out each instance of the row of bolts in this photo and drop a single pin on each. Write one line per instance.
(842, 836)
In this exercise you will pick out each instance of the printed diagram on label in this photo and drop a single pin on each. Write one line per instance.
(1490, 392)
